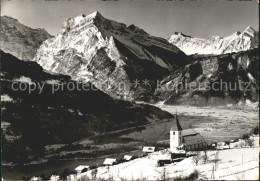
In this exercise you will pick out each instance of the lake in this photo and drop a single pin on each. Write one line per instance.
(53, 167)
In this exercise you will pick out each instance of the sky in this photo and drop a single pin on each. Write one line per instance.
(199, 18)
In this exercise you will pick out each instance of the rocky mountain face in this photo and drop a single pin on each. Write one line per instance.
(39, 118)
(213, 80)
(127, 63)
(20, 40)
(216, 45)
(110, 55)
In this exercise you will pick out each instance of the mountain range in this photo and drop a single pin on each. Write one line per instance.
(127, 63)
(93, 48)
(216, 45)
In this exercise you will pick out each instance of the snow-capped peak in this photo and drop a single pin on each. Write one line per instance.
(180, 34)
(239, 41)
(237, 33)
(249, 30)
(94, 15)
(93, 48)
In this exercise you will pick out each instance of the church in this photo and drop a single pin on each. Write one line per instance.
(185, 139)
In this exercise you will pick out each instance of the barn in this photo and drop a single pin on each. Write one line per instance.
(109, 161)
(80, 168)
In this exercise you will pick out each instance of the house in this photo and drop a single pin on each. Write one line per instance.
(161, 163)
(159, 148)
(81, 167)
(148, 149)
(55, 178)
(109, 161)
(36, 178)
(223, 146)
(238, 144)
(127, 157)
(164, 157)
(220, 145)
(255, 139)
(185, 139)
(71, 177)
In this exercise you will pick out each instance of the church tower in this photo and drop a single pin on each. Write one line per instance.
(175, 136)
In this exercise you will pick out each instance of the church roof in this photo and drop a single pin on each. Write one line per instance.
(193, 139)
(179, 128)
(188, 132)
(185, 132)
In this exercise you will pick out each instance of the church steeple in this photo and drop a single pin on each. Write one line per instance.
(179, 128)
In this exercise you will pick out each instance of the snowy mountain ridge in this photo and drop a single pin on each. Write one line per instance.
(93, 48)
(217, 45)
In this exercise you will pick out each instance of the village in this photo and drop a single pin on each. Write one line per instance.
(188, 158)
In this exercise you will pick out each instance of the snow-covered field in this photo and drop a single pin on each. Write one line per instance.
(219, 123)
(233, 164)
(213, 123)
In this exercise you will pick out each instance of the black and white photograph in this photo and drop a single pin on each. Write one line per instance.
(129, 90)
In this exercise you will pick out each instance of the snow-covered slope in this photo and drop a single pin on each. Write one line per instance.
(237, 42)
(93, 48)
(229, 167)
(20, 40)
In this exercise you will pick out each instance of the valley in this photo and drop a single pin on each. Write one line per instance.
(48, 127)
(227, 122)
(216, 124)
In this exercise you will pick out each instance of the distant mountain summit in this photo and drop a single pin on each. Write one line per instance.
(20, 40)
(95, 49)
(217, 45)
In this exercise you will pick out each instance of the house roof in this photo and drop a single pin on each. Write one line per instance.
(221, 143)
(81, 167)
(127, 157)
(109, 161)
(193, 139)
(148, 149)
(163, 156)
(54, 177)
(35, 178)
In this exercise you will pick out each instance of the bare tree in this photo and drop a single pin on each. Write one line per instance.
(141, 174)
(85, 178)
(250, 142)
(94, 174)
(163, 174)
(132, 176)
(240, 176)
(205, 156)
(108, 171)
(196, 158)
(118, 174)
(216, 160)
